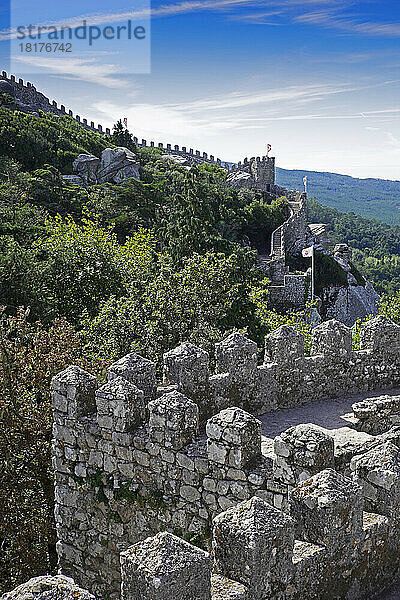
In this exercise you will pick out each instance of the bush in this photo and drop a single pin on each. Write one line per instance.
(208, 296)
(29, 356)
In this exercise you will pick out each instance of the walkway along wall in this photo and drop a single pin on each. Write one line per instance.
(131, 458)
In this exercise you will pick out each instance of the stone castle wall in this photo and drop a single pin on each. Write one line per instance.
(132, 458)
(329, 547)
(292, 295)
(28, 94)
(260, 170)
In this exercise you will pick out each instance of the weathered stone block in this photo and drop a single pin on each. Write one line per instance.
(165, 567)
(174, 420)
(138, 370)
(378, 473)
(78, 388)
(301, 452)
(332, 339)
(381, 335)
(253, 544)
(328, 510)
(120, 405)
(234, 438)
(188, 367)
(284, 345)
(377, 415)
(237, 355)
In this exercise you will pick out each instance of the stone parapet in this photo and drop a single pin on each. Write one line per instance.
(131, 459)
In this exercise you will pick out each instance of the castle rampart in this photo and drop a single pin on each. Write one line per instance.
(131, 458)
(328, 547)
(28, 94)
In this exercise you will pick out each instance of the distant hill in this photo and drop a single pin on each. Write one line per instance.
(370, 198)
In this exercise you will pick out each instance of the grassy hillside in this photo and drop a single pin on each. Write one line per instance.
(370, 198)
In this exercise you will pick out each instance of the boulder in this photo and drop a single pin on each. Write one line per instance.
(240, 179)
(115, 165)
(6, 88)
(180, 160)
(86, 166)
(48, 587)
(347, 304)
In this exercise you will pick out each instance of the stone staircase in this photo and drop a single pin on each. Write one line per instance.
(282, 241)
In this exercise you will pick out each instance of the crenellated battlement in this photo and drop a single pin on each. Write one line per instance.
(27, 93)
(132, 457)
(327, 547)
(257, 173)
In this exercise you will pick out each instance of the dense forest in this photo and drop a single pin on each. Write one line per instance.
(87, 275)
(375, 245)
(370, 198)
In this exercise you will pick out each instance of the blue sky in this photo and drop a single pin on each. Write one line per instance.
(318, 79)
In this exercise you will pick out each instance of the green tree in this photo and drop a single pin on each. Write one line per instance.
(203, 300)
(121, 136)
(29, 356)
(85, 264)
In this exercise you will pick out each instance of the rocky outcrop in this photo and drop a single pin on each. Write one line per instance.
(258, 174)
(114, 166)
(240, 179)
(355, 301)
(187, 161)
(347, 304)
(48, 587)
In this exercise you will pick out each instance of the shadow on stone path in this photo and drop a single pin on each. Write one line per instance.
(327, 414)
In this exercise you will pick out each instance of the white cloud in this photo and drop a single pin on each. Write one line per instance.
(294, 94)
(209, 117)
(85, 69)
(351, 24)
(167, 10)
(188, 6)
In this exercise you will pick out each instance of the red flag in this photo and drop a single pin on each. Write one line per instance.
(269, 148)
(126, 122)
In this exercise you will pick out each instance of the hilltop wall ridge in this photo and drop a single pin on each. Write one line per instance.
(28, 94)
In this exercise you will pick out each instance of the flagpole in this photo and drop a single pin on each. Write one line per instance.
(312, 275)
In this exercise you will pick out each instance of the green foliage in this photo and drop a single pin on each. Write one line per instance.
(7, 100)
(122, 137)
(270, 319)
(370, 198)
(328, 272)
(30, 356)
(85, 264)
(389, 307)
(49, 139)
(376, 245)
(199, 302)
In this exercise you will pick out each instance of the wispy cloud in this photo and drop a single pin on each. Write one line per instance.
(179, 8)
(187, 6)
(195, 120)
(293, 94)
(351, 24)
(259, 18)
(87, 69)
